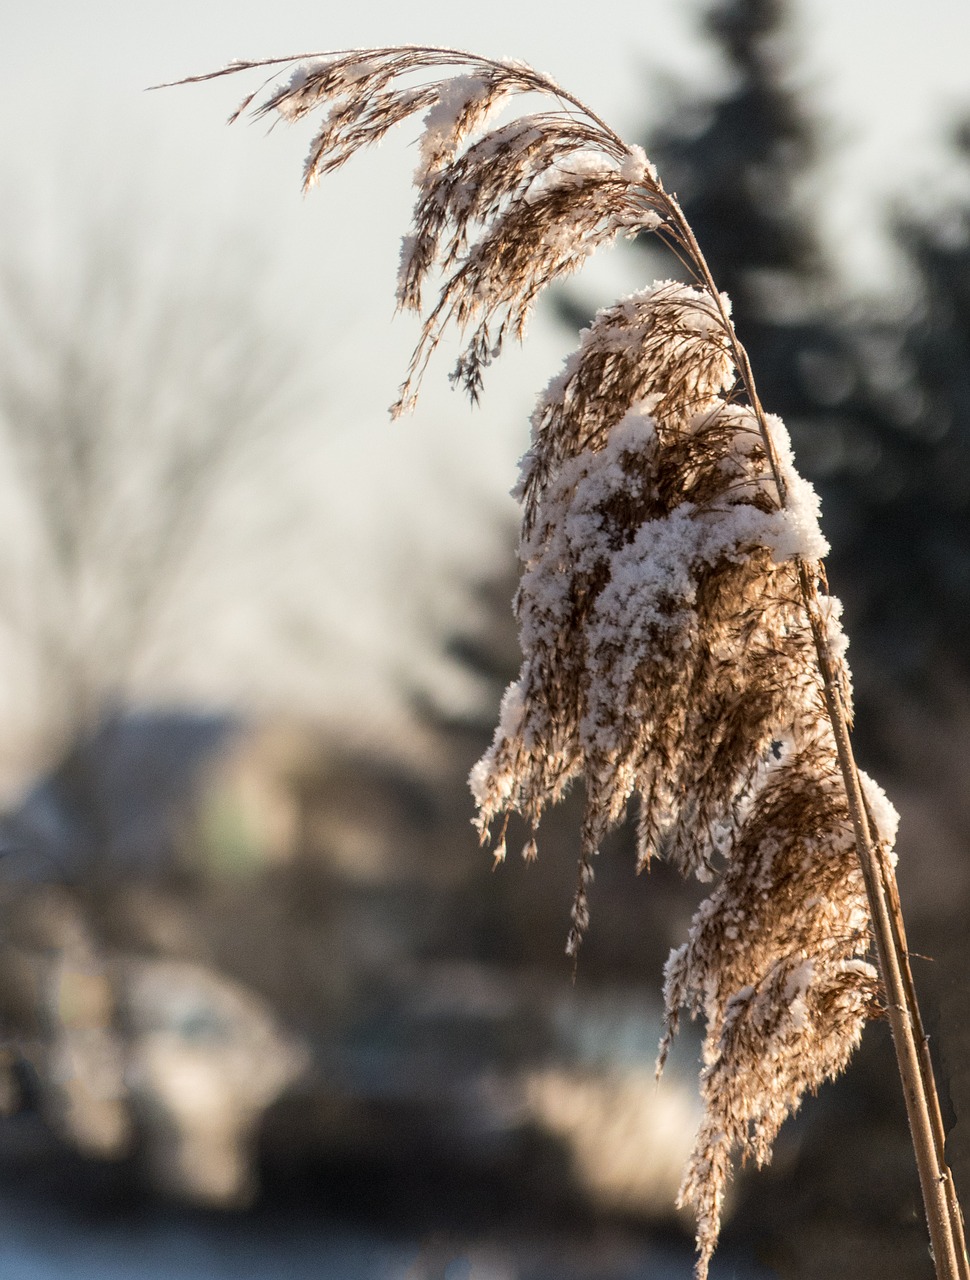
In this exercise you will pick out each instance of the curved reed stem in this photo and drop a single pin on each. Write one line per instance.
(644, 430)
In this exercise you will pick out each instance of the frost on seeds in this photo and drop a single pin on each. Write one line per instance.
(882, 812)
(463, 104)
(635, 166)
(668, 657)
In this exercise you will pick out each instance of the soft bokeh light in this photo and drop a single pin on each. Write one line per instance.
(80, 135)
(248, 944)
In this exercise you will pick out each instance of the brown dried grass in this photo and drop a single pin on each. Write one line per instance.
(666, 627)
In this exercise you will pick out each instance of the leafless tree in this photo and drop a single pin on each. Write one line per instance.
(135, 384)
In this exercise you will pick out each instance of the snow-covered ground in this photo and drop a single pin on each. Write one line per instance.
(37, 1245)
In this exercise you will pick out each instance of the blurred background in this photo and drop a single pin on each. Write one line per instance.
(264, 1009)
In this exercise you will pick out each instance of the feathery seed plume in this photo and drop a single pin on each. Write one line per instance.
(672, 600)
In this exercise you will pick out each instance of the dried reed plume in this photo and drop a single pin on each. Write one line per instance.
(678, 642)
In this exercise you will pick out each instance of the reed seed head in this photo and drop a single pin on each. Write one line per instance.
(668, 661)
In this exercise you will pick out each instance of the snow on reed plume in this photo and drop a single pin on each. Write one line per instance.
(668, 653)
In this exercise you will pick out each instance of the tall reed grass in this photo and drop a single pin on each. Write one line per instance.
(681, 652)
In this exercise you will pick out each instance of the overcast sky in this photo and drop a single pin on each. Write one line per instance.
(76, 126)
(78, 134)
(883, 76)
(887, 73)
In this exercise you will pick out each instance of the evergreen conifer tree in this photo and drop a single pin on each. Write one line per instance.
(736, 162)
(902, 484)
